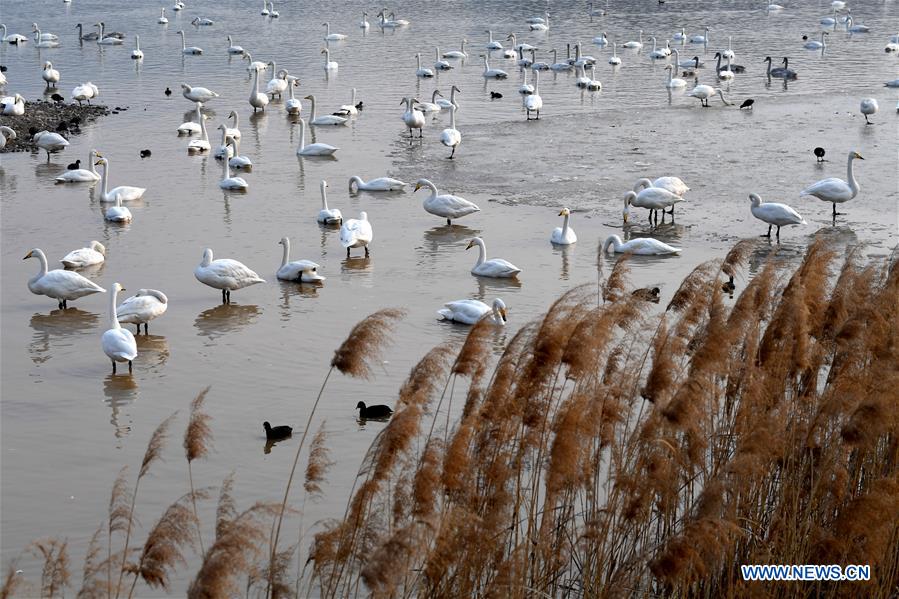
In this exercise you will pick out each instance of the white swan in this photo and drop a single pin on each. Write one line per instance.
(582, 80)
(189, 50)
(225, 274)
(445, 205)
(493, 73)
(316, 149)
(202, 22)
(642, 246)
(420, 71)
(431, 106)
(201, 144)
(657, 52)
(834, 190)
(12, 38)
(729, 53)
(13, 105)
(328, 119)
(95, 253)
(673, 82)
(564, 235)
(470, 311)
(815, 45)
(118, 343)
(330, 65)
(328, 216)
(778, 215)
(81, 175)
(264, 12)
(278, 83)
(233, 49)
(460, 53)
(228, 182)
(253, 65)
(680, 36)
(451, 137)
(379, 184)
(601, 40)
(257, 100)
(238, 161)
(559, 65)
(50, 75)
(6, 134)
(234, 130)
(332, 37)
(293, 104)
(699, 38)
(495, 267)
(525, 88)
(84, 92)
(192, 127)
(653, 199)
(856, 28)
(614, 59)
(671, 184)
(42, 42)
(272, 13)
(540, 26)
(704, 92)
(444, 103)
(439, 63)
(61, 285)
(162, 20)
(867, 107)
(533, 102)
(122, 193)
(197, 94)
(298, 271)
(356, 233)
(50, 142)
(594, 84)
(364, 24)
(118, 213)
(412, 118)
(493, 44)
(137, 53)
(634, 45)
(142, 307)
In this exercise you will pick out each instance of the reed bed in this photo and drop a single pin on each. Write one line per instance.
(610, 450)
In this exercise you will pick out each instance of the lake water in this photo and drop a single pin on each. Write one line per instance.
(68, 425)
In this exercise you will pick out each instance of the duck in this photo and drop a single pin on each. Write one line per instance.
(563, 235)
(451, 137)
(495, 267)
(356, 184)
(747, 103)
(122, 193)
(868, 107)
(471, 311)
(94, 253)
(642, 246)
(197, 94)
(62, 285)
(84, 93)
(225, 274)
(81, 175)
(373, 412)
(328, 119)
(142, 307)
(445, 205)
(298, 271)
(647, 294)
(118, 343)
(819, 154)
(276, 433)
(50, 75)
(316, 149)
(356, 233)
(50, 142)
(413, 119)
(777, 215)
(328, 216)
(834, 190)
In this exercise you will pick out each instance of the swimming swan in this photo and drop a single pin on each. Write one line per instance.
(642, 246)
(95, 253)
(298, 271)
(328, 216)
(316, 149)
(470, 311)
(379, 184)
(563, 235)
(495, 267)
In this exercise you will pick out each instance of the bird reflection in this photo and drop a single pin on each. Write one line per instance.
(356, 263)
(267, 448)
(153, 350)
(225, 318)
(492, 286)
(91, 272)
(120, 391)
(565, 251)
(449, 234)
(291, 289)
(58, 323)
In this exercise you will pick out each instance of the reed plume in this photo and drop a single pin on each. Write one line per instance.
(91, 586)
(55, 575)
(197, 442)
(12, 581)
(318, 464)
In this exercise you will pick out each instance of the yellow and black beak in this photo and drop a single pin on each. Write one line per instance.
(562, 213)
(470, 245)
(503, 314)
(417, 187)
(859, 156)
(28, 255)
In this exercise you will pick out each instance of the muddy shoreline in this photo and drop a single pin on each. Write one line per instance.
(65, 119)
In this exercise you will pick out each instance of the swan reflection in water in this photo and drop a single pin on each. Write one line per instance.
(120, 391)
(225, 318)
(290, 290)
(58, 324)
(490, 287)
(153, 350)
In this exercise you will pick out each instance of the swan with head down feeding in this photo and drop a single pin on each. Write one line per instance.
(62, 285)
(470, 311)
(642, 246)
(50, 142)
(95, 253)
(380, 184)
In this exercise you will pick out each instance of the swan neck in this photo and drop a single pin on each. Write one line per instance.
(105, 180)
(324, 198)
(453, 117)
(113, 317)
(565, 224)
(312, 103)
(43, 268)
(482, 251)
(285, 255)
(850, 175)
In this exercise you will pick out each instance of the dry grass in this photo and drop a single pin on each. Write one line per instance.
(610, 451)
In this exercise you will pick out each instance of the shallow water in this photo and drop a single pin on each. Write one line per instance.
(68, 425)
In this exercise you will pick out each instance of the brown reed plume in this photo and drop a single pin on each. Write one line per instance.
(55, 575)
(318, 464)
(197, 442)
(12, 581)
(91, 586)
(118, 519)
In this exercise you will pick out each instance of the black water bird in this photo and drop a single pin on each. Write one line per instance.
(374, 412)
(728, 286)
(747, 103)
(57, 98)
(495, 95)
(74, 166)
(145, 153)
(819, 154)
(167, 92)
(276, 433)
(647, 294)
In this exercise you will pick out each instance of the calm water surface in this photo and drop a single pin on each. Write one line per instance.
(68, 425)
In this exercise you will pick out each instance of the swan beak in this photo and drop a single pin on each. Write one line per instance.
(417, 187)
(98, 163)
(470, 245)
(27, 256)
(503, 314)
(859, 156)
(625, 218)
(562, 213)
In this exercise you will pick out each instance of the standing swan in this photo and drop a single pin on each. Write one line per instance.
(534, 102)
(414, 119)
(257, 100)
(495, 267)
(50, 142)
(142, 307)
(704, 92)
(564, 235)
(836, 190)
(451, 137)
(356, 233)
(197, 94)
(298, 271)
(50, 75)
(61, 285)
(118, 343)
(445, 205)
(642, 246)
(868, 106)
(225, 274)
(778, 215)
(328, 216)
(316, 149)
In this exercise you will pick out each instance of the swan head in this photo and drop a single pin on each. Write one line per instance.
(363, 216)
(755, 199)
(284, 241)
(102, 161)
(207, 257)
(475, 241)
(98, 247)
(31, 254)
(499, 307)
(857, 155)
(323, 184)
(565, 212)
(185, 87)
(628, 198)
(117, 287)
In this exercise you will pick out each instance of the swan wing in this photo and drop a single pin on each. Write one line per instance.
(649, 246)
(66, 284)
(832, 189)
(80, 175)
(230, 273)
(450, 206)
(467, 311)
(140, 308)
(82, 257)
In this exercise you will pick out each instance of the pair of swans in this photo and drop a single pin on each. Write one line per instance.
(543, 26)
(118, 343)
(445, 205)
(50, 142)
(227, 181)
(774, 214)
(95, 253)
(49, 74)
(315, 149)
(82, 175)
(62, 285)
(40, 41)
(142, 307)
(225, 274)
(495, 267)
(781, 73)
(647, 195)
(298, 271)
(356, 233)
(85, 92)
(642, 246)
(470, 311)
(834, 190)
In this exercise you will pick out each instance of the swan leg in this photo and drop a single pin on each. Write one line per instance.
(452, 153)
(138, 328)
(867, 122)
(348, 252)
(113, 366)
(129, 367)
(228, 292)
(366, 252)
(769, 233)
(778, 232)
(65, 303)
